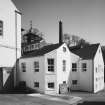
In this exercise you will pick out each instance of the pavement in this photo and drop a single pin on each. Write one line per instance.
(59, 98)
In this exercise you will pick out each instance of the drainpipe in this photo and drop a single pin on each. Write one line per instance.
(15, 71)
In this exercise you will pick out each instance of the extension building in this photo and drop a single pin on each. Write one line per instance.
(87, 72)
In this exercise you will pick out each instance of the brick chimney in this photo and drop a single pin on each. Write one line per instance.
(60, 32)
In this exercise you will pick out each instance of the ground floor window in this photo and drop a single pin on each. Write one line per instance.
(36, 84)
(74, 82)
(51, 85)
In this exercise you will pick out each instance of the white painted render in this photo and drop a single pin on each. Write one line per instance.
(86, 77)
(44, 76)
(63, 75)
(75, 75)
(87, 80)
(30, 76)
(99, 73)
(51, 76)
(11, 28)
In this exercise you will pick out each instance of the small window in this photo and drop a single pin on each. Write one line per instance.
(96, 79)
(1, 28)
(32, 46)
(51, 85)
(74, 67)
(64, 82)
(64, 49)
(96, 70)
(74, 82)
(84, 67)
(51, 65)
(36, 66)
(23, 67)
(64, 65)
(36, 84)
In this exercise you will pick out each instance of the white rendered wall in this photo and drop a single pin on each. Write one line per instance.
(99, 74)
(75, 75)
(7, 41)
(86, 77)
(51, 76)
(63, 75)
(30, 76)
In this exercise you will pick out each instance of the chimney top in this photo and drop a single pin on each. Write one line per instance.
(60, 32)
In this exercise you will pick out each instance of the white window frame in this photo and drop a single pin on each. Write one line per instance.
(74, 69)
(64, 49)
(64, 65)
(36, 66)
(51, 85)
(74, 82)
(1, 28)
(84, 68)
(50, 64)
(23, 66)
(36, 84)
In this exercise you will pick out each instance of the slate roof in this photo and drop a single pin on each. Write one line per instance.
(41, 51)
(87, 52)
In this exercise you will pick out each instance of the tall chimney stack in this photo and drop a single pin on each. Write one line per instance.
(60, 32)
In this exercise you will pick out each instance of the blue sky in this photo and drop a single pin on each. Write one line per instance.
(85, 18)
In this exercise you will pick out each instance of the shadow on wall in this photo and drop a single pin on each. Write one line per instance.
(6, 79)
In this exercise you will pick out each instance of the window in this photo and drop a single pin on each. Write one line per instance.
(96, 70)
(51, 85)
(74, 67)
(74, 82)
(64, 82)
(36, 84)
(1, 28)
(64, 49)
(51, 65)
(83, 66)
(25, 39)
(23, 67)
(64, 65)
(96, 79)
(36, 66)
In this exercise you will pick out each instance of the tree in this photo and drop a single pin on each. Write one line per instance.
(71, 40)
(83, 43)
(74, 40)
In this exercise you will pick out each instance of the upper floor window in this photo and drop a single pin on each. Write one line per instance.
(36, 66)
(96, 70)
(51, 85)
(64, 65)
(23, 67)
(74, 67)
(1, 28)
(51, 65)
(64, 49)
(84, 66)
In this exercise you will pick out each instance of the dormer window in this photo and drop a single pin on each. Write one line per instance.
(64, 49)
(1, 28)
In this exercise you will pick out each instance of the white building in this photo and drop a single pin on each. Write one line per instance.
(46, 68)
(87, 69)
(10, 34)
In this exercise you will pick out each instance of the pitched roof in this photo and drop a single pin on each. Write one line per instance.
(87, 52)
(41, 51)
